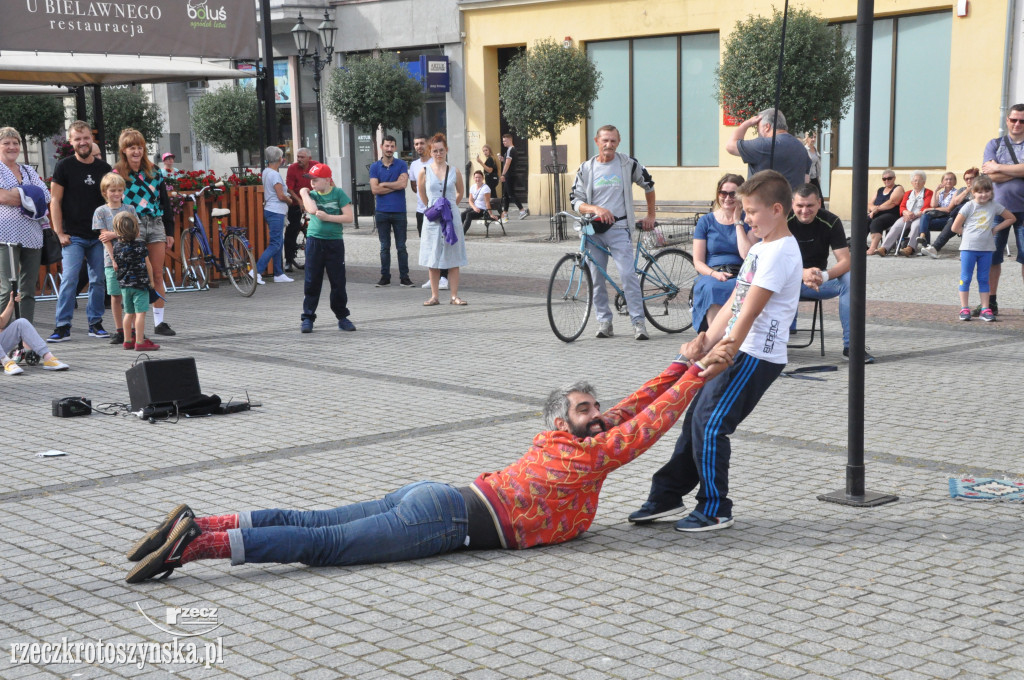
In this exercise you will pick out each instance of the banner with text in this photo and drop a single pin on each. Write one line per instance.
(223, 29)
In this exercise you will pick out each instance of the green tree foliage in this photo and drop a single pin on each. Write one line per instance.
(126, 107)
(228, 119)
(547, 89)
(36, 117)
(371, 92)
(817, 73)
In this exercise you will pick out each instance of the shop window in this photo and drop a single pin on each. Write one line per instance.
(909, 92)
(660, 93)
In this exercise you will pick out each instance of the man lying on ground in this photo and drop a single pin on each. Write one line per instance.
(548, 496)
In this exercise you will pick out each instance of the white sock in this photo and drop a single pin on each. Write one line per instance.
(158, 315)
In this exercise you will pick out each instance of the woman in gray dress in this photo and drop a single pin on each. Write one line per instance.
(435, 253)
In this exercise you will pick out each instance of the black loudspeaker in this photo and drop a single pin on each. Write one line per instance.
(162, 382)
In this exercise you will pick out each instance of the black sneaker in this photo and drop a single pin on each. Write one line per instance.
(117, 338)
(60, 334)
(292, 264)
(163, 329)
(868, 359)
(157, 537)
(994, 306)
(96, 331)
(651, 511)
(288, 268)
(383, 282)
(407, 282)
(165, 559)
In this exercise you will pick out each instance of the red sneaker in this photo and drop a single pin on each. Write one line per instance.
(129, 345)
(146, 345)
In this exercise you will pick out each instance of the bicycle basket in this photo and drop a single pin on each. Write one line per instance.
(664, 235)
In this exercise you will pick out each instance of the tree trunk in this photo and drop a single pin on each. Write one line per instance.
(238, 155)
(556, 176)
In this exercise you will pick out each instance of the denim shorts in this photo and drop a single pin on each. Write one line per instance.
(151, 229)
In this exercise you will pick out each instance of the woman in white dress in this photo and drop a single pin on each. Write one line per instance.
(435, 253)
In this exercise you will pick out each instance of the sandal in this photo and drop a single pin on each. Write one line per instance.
(431, 302)
(458, 301)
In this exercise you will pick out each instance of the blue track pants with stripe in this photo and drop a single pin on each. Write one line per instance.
(703, 450)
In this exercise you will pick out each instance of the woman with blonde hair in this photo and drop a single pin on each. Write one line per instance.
(146, 191)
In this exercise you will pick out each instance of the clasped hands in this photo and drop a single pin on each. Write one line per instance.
(715, 359)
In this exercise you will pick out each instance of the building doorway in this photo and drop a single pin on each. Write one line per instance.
(522, 167)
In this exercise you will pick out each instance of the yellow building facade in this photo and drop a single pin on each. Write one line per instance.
(967, 70)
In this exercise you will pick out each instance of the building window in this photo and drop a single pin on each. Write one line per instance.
(909, 92)
(660, 93)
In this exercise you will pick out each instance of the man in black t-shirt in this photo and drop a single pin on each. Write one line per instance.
(817, 231)
(75, 192)
(508, 179)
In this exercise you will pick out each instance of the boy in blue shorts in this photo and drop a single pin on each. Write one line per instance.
(755, 333)
(329, 208)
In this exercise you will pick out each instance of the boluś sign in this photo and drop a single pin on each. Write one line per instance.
(223, 29)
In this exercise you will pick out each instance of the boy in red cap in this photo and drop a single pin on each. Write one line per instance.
(329, 208)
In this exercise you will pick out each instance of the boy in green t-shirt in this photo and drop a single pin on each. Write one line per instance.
(328, 208)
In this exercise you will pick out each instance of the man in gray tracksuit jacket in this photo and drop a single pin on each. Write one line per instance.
(603, 187)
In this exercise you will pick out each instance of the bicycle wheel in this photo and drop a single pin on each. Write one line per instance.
(665, 285)
(239, 264)
(194, 268)
(570, 293)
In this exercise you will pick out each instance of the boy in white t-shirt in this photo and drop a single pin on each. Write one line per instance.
(755, 334)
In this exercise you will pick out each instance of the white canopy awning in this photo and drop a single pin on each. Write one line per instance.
(51, 68)
(7, 88)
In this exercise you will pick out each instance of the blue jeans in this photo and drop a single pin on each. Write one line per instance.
(418, 520)
(89, 250)
(275, 224)
(325, 256)
(839, 287)
(386, 222)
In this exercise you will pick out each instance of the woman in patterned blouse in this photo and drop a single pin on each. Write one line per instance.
(17, 228)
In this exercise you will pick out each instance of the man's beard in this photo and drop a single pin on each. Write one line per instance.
(84, 156)
(593, 427)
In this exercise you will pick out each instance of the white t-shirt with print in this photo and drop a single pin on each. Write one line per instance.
(481, 197)
(776, 266)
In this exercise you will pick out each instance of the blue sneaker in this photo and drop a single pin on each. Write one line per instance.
(651, 511)
(60, 334)
(698, 521)
(307, 326)
(346, 325)
(96, 331)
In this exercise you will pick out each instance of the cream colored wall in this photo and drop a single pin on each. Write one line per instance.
(973, 120)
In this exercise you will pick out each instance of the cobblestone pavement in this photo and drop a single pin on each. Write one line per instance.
(927, 587)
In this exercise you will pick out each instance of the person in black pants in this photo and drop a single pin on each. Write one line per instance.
(508, 180)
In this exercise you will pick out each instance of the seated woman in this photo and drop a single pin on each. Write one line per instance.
(946, 224)
(479, 202)
(720, 243)
(935, 216)
(884, 209)
(20, 330)
(912, 208)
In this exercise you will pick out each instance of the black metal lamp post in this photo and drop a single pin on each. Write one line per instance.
(326, 32)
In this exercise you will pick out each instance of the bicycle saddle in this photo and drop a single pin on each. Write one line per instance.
(220, 212)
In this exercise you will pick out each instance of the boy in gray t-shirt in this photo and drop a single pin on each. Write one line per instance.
(977, 224)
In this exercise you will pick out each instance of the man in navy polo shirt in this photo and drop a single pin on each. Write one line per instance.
(388, 179)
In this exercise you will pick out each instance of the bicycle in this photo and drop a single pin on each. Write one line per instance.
(235, 259)
(665, 280)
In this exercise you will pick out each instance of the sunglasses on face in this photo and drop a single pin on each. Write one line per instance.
(968, 178)
(1015, 121)
(888, 179)
(727, 194)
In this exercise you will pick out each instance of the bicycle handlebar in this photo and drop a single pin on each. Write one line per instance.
(196, 195)
(585, 219)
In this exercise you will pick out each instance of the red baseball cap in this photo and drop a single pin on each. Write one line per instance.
(319, 170)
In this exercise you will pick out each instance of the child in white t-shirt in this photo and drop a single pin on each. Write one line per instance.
(975, 222)
(754, 333)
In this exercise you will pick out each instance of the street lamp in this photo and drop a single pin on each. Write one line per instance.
(326, 32)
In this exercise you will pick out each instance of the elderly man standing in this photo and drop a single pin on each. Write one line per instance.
(603, 187)
(816, 231)
(1004, 164)
(295, 180)
(791, 157)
